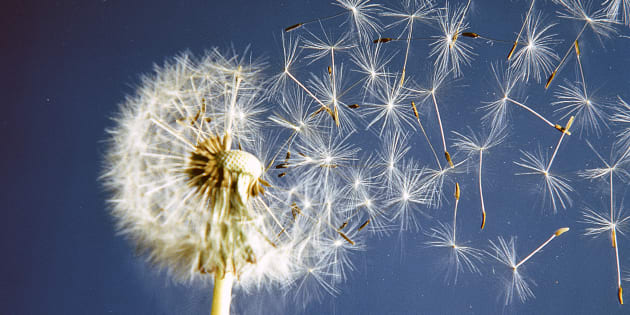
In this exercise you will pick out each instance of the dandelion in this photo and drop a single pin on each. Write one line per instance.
(392, 154)
(536, 56)
(407, 193)
(361, 15)
(505, 252)
(615, 223)
(497, 110)
(449, 53)
(588, 112)
(518, 37)
(599, 22)
(290, 53)
(436, 81)
(473, 144)
(598, 224)
(556, 188)
(186, 166)
(372, 64)
(462, 258)
(390, 108)
(414, 10)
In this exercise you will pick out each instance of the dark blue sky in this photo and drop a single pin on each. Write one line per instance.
(68, 64)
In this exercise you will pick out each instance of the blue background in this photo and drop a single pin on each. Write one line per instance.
(68, 64)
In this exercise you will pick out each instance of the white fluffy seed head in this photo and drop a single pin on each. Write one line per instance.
(192, 206)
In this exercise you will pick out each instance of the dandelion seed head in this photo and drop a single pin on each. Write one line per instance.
(189, 199)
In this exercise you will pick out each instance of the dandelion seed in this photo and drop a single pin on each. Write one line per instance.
(536, 57)
(437, 80)
(459, 24)
(471, 145)
(565, 131)
(450, 54)
(362, 16)
(364, 190)
(497, 110)
(407, 192)
(390, 109)
(554, 187)
(390, 156)
(433, 182)
(290, 50)
(574, 100)
(413, 11)
(599, 224)
(518, 37)
(327, 89)
(323, 47)
(461, 258)
(516, 284)
(599, 22)
(372, 65)
(610, 169)
(505, 253)
(426, 137)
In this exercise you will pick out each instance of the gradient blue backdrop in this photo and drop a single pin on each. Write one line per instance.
(66, 65)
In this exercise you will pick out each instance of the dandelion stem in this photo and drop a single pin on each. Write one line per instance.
(307, 90)
(556, 233)
(612, 231)
(437, 110)
(553, 74)
(222, 294)
(532, 111)
(352, 86)
(554, 153)
(619, 290)
(531, 7)
(564, 132)
(415, 111)
(298, 25)
(579, 60)
(334, 87)
(402, 76)
(455, 212)
(483, 207)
